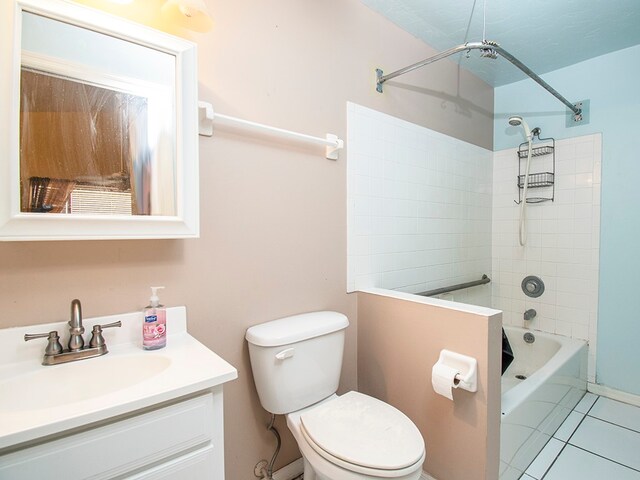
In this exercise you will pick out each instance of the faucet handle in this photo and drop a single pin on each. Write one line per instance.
(53, 346)
(109, 325)
(97, 340)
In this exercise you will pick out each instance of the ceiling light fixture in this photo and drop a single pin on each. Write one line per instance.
(189, 14)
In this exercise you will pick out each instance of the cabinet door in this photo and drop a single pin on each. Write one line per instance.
(194, 465)
(133, 444)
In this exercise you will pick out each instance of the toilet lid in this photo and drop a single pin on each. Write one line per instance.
(364, 431)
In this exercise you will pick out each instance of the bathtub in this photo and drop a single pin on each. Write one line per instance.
(544, 383)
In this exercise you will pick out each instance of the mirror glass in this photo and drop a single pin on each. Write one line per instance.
(98, 126)
(97, 123)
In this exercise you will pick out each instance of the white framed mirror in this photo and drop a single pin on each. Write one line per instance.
(99, 140)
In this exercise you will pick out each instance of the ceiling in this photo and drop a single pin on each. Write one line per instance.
(545, 35)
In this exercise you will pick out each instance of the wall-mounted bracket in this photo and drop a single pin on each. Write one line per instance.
(379, 74)
(332, 152)
(581, 118)
(205, 119)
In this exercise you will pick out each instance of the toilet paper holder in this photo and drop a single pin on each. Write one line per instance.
(467, 367)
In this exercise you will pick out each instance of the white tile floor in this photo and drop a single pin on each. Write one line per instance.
(599, 440)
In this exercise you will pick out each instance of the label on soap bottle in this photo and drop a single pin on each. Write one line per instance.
(154, 329)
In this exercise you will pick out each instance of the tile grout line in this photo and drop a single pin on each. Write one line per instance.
(569, 438)
(584, 415)
(564, 445)
(607, 421)
(604, 458)
(592, 405)
(594, 453)
(556, 431)
(614, 424)
(554, 460)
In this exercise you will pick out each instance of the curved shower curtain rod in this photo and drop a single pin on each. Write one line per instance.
(491, 50)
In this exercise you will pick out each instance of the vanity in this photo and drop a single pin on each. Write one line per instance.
(130, 413)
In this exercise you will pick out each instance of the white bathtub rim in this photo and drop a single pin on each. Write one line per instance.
(569, 347)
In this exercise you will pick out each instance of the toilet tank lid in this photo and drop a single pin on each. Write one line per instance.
(296, 328)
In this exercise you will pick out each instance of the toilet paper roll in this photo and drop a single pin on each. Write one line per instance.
(443, 379)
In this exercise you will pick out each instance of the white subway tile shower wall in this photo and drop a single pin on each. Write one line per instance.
(562, 246)
(419, 208)
(426, 210)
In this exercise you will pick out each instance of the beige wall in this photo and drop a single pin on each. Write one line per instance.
(273, 216)
(399, 341)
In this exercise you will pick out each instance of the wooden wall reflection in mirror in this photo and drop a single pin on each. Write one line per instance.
(105, 126)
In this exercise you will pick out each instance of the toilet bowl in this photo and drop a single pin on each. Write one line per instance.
(296, 363)
(357, 437)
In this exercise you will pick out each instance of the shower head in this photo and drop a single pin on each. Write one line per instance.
(517, 121)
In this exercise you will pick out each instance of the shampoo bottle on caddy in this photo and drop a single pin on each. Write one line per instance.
(154, 328)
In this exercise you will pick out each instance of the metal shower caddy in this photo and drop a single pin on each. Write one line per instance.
(546, 149)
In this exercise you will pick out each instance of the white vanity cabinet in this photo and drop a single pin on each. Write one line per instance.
(181, 440)
(129, 414)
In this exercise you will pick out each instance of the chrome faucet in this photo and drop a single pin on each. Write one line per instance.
(76, 342)
(529, 314)
(55, 354)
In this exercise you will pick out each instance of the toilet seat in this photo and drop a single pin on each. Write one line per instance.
(364, 435)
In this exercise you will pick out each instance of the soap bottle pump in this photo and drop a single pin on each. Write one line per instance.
(154, 328)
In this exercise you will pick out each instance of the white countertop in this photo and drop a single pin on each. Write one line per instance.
(36, 400)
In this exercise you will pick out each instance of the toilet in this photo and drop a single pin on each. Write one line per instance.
(296, 363)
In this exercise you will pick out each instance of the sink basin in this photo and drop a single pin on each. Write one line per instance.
(78, 381)
(37, 401)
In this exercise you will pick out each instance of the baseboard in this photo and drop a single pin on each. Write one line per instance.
(426, 476)
(614, 394)
(291, 471)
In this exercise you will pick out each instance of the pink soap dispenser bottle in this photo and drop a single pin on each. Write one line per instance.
(154, 328)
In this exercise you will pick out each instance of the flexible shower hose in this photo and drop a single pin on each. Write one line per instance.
(522, 231)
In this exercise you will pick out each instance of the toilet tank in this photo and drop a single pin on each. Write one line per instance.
(296, 361)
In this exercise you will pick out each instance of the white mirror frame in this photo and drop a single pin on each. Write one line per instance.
(16, 225)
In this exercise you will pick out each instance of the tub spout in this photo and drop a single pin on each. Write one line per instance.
(529, 314)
